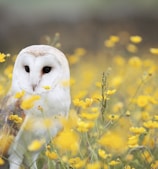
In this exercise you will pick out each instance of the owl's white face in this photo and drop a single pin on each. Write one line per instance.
(39, 66)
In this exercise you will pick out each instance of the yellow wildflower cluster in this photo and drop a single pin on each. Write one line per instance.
(29, 102)
(2, 57)
(113, 118)
(15, 118)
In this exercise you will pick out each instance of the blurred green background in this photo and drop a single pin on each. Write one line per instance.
(81, 23)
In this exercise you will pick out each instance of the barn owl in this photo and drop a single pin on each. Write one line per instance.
(39, 71)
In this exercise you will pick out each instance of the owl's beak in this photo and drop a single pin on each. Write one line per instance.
(34, 87)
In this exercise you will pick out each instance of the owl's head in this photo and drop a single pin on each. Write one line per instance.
(37, 67)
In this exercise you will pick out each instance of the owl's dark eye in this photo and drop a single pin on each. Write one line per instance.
(46, 69)
(27, 69)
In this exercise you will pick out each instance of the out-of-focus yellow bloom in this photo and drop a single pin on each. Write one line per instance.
(84, 126)
(67, 141)
(8, 71)
(2, 57)
(113, 117)
(5, 142)
(132, 48)
(154, 165)
(95, 165)
(47, 87)
(137, 130)
(36, 145)
(73, 59)
(151, 124)
(98, 84)
(97, 97)
(142, 100)
(114, 38)
(81, 103)
(116, 81)
(119, 60)
(15, 118)
(149, 141)
(145, 116)
(51, 155)
(117, 107)
(133, 141)
(80, 51)
(29, 102)
(135, 61)
(103, 154)
(128, 167)
(114, 142)
(154, 51)
(19, 95)
(89, 116)
(147, 156)
(111, 92)
(77, 162)
(156, 117)
(114, 162)
(136, 39)
(2, 90)
(109, 43)
(1, 161)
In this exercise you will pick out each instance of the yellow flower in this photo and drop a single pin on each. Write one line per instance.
(19, 95)
(36, 145)
(2, 57)
(81, 103)
(136, 39)
(5, 142)
(151, 124)
(114, 38)
(147, 156)
(133, 141)
(103, 154)
(51, 155)
(76, 162)
(67, 140)
(137, 130)
(114, 142)
(142, 100)
(89, 116)
(109, 43)
(132, 48)
(8, 71)
(111, 92)
(114, 162)
(84, 126)
(116, 81)
(95, 165)
(154, 51)
(15, 118)
(2, 90)
(80, 51)
(1, 161)
(128, 167)
(119, 60)
(47, 87)
(113, 117)
(154, 165)
(98, 84)
(29, 102)
(135, 61)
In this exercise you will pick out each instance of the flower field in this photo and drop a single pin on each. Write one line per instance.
(113, 120)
